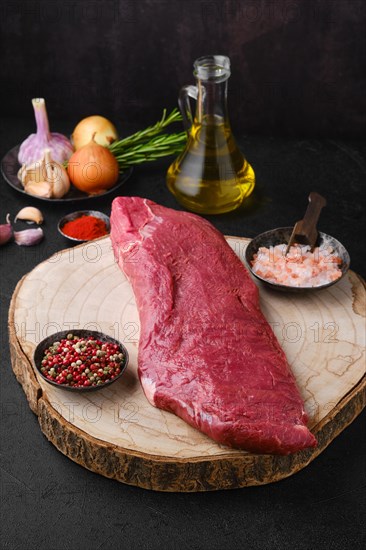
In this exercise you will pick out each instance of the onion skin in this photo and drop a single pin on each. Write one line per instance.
(103, 130)
(93, 169)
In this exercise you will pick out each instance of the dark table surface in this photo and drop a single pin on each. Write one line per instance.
(48, 501)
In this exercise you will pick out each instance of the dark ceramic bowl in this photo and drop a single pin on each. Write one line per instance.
(75, 215)
(282, 235)
(47, 342)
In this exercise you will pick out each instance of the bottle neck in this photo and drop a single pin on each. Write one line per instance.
(212, 102)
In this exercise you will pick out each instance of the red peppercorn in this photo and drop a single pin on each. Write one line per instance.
(81, 362)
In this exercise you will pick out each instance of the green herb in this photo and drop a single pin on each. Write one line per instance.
(149, 144)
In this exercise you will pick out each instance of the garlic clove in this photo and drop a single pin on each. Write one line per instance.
(56, 175)
(45, 178)
(28, 237)
(30, 214)
(40, 189)
(6, 231)
(61, 184)
(34, 172)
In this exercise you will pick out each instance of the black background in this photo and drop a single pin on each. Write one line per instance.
(297, 65)
(296, 103)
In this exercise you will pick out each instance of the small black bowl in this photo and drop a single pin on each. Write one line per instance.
(74, 215)
(47, 342)
(282, 235)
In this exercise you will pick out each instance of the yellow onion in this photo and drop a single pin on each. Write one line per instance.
(93, 169)
(103, 129)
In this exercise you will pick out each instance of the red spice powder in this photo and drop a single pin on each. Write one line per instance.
(85, 228)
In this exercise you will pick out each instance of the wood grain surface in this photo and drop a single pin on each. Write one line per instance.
(117, 433)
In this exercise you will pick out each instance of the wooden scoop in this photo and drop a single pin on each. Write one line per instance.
(305, 231)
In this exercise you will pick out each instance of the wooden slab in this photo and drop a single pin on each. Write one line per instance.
(117, 433)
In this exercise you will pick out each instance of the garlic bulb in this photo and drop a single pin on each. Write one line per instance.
(32, 148)
(45, 178)
(29, 214)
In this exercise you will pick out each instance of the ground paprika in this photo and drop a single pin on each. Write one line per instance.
(85, 228)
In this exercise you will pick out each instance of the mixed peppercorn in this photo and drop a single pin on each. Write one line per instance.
(82, 362)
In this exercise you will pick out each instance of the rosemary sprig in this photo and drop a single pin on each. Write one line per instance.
(149, 144)
(156, 147)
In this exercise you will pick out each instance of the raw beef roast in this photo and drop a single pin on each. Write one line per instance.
(206, 352)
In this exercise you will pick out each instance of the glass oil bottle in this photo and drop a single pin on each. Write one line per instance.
(211, 176)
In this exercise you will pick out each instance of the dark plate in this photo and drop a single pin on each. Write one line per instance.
(10, 167)
(282, 235)
(42, 346)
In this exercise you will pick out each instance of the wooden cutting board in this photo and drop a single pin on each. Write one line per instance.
(117, 433)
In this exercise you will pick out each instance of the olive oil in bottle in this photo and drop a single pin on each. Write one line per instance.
(211, 176)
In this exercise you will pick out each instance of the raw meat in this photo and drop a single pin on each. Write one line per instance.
(206, 352)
